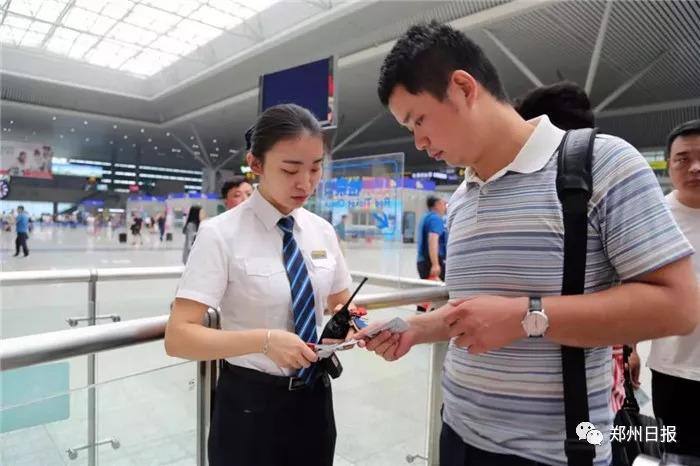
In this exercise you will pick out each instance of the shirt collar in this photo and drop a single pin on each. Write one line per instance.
(267, 213)
(533, 156)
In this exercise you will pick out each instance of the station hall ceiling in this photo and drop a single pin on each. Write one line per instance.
(157, 77)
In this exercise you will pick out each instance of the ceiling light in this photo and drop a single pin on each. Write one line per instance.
(133, 145)
(72, 130)
(85, 122)
(142, 130)
(33, 133)
(12, 122)
(87, 139)
(191, 137)
(53, 118)
(115, 126)
(150, 140)
(168, 133)
(217, 149)
(111, 142)
(155, 147)
(126, 137)
(214, 141)
(60, 136)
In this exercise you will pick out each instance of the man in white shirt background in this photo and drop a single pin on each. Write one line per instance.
(675, 361)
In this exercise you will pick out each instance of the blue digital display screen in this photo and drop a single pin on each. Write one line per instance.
(306, 85)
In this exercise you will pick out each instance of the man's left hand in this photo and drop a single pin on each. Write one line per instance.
(485, 323)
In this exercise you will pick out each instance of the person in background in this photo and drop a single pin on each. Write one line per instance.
(565, 103)
(568, 107)
(235, 191)
(136, 228)
(272, 267)
(22, 228)
(675, 361)
(432, 240)
(194, 217)
(160, 220)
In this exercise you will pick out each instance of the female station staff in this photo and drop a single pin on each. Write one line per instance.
(271, 266)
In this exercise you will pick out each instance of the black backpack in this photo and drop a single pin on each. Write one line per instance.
(574, 189)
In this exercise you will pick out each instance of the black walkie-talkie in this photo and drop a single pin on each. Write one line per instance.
(337, 328)
(339, 325)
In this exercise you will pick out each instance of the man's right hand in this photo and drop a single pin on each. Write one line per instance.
(390, 346)
(289, 351)
(435, 270)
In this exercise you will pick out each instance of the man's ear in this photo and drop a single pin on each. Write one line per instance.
(464, 86)
(254, 163)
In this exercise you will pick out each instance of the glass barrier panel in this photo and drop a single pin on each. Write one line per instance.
(147, 418)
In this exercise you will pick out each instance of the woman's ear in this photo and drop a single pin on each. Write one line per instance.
(254, 163)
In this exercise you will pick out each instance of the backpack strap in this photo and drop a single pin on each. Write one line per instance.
(574, 189)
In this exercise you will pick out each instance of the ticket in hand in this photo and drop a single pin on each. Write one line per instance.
(324, 351)
(395, 325)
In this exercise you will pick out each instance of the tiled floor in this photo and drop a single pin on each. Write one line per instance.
(380, 407)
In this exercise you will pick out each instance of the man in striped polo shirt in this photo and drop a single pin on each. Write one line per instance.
(502, 377)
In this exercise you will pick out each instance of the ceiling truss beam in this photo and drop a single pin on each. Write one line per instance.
(598, 48)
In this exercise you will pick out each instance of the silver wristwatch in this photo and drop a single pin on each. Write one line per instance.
(535, 323)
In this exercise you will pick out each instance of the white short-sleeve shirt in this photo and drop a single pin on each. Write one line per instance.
(236, 265)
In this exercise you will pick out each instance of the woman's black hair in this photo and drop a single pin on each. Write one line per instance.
(193, 217)
(284, 121)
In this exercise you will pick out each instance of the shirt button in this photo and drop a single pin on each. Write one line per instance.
(485, 190)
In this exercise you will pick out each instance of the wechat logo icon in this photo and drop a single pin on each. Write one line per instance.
(587, 431)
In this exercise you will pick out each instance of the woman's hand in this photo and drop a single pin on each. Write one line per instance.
(289, 351)
(348, 336)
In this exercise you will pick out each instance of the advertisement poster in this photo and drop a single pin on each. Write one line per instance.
(25, 159)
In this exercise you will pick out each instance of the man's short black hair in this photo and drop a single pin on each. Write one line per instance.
(432, 200)
(234, 182)
(689, 128)
(424, 58)
(565, 103)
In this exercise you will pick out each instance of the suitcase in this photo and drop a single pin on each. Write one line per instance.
(168, 237)
(122, 237)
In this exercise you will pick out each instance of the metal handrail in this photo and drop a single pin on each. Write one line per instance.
(50, 277)
(35, 349)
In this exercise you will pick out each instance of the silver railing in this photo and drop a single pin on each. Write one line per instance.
(41, 348)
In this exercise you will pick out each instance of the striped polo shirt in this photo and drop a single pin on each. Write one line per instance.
(506, 238)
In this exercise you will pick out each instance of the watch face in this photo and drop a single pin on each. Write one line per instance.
(536, 323)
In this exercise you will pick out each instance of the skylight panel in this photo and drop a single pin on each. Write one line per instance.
(62, 40)
(110, 53)
(40, 27)
(25, 7)
(50, 10)
(173, 46)
(195, 33)
(115, 9)
(17, 22)
(216, 18)
(152, 19)
(81, 45)
(10, 35)
(179, 7)
(32, 39)
(149, 62)
(84, 20)
(132, 34)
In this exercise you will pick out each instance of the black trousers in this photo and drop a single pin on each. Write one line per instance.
(676, 403)
(260, 424)
(21, 242)
(424, 272)
(454, 452)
